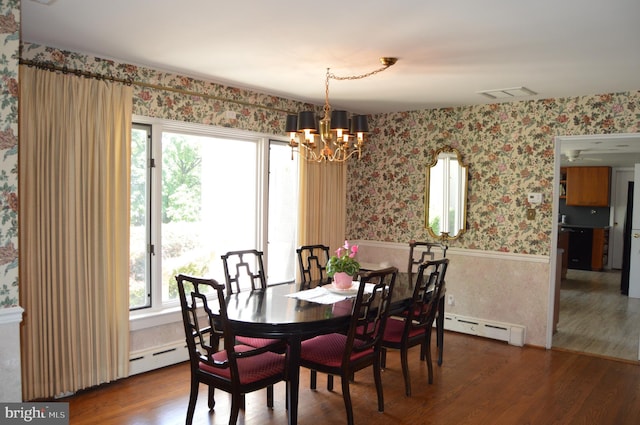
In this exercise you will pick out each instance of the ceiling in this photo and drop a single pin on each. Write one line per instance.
(614, 150)
(447, 51)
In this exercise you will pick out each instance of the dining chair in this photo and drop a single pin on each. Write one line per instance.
(244, 270)
(415, 327)
(313, 260)
(344, 354)
(237, 369)
(419, 252)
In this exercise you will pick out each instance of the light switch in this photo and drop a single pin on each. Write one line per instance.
(531, 214)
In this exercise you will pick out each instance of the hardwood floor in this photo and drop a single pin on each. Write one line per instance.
(481, 381)
(595, 318)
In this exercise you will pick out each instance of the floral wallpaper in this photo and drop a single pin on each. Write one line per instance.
(188, 99)
(9, 45)
(509, 148)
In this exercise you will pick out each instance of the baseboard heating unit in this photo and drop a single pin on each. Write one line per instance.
(156, 357)
(513, 334)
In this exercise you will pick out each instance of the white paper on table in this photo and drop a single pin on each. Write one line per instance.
(318, 295)
(321, 295)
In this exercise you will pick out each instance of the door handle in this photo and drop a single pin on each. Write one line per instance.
(636, 235)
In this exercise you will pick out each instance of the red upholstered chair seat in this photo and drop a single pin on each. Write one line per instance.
(329, 349)
(279, 345)
(251, 369)
(395, 328)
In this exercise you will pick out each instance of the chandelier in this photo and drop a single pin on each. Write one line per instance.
(341, 137)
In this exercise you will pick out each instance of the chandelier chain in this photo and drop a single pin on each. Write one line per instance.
(330, 75)
(355, 77)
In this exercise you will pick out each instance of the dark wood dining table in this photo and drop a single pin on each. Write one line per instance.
(271, 313)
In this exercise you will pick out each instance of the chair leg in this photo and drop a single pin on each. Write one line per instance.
(237, 400)
(346, 395)
(378, 380)
(429, 362)
(314, 380)
(193, 397)
(330, 382)
(270, 396)
(440, 330)
(383, 358)
(211, 400)
(405, 371)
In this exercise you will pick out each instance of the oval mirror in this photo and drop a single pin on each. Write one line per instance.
(446, 195)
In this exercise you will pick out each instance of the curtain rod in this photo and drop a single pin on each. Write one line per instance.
(54, 68)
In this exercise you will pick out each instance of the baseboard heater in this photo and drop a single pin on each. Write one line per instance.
(156, 357)
(513, 334)
(165, 355)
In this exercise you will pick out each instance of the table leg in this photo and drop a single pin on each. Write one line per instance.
(440, 329)
(293, 381)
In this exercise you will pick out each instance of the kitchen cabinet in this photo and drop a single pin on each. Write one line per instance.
(599, 249)
(588, 186)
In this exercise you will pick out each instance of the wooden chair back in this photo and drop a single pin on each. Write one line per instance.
(312, 260)
(244, 270)
(370, 310)
(420, 252)
(429, 287)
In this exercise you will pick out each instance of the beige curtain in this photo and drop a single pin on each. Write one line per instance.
(322, 204)
(74, 161)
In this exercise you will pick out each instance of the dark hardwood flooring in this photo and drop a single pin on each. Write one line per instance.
(480, 382)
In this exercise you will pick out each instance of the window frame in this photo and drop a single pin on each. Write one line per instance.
(154, 199)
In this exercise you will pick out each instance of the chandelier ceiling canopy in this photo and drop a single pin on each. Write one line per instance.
(342, 137)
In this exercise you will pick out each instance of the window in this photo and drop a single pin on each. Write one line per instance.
(199, 191)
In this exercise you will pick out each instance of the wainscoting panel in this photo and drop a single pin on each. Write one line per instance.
(486, 286)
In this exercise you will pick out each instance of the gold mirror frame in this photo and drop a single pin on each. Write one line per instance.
(446, 195)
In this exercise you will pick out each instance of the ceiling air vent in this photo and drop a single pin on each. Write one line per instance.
(507, 93)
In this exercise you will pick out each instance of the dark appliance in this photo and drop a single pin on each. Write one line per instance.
(626, 249)
(580, 240)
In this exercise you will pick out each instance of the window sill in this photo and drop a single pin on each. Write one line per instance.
(144, 319)
(148, 319)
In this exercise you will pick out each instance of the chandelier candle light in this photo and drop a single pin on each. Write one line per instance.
(336, 129)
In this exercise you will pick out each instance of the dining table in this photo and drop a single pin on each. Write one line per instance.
(285, 312)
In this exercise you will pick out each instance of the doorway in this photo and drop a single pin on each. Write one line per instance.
(593, 316)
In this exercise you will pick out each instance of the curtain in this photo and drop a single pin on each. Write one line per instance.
(322, 204)
(74, 166)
